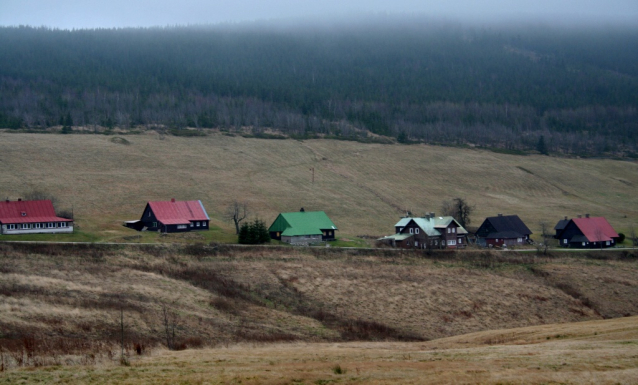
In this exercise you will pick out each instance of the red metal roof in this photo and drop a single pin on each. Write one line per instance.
(29, 212)
(178, 212)
(596, 229)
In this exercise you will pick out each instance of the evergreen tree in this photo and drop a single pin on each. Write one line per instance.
(541, 146)
(254, 233)
(243, 234)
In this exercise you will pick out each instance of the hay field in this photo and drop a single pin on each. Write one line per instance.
(364, 188)
(594, 352)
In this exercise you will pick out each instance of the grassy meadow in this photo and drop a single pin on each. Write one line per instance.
(594, 352)
(364, 188)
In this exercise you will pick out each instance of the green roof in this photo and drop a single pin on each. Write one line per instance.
(396, 237)
(302, 223)
(431, 225)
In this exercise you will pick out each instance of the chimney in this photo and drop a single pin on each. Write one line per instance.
(173, 200)
(586, 215)
(302, 210)
(500, 214)
(432, 215)
(565, 217)
(19, 199)
(426, 216)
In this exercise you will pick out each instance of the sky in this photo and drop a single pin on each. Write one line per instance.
(78, 14)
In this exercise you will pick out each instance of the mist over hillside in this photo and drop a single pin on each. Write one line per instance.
(414, 79)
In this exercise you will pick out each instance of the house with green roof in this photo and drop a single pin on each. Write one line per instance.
(427, 232)
(303, 227)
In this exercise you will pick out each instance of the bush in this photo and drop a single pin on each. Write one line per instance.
(254, 233)
(621, 238)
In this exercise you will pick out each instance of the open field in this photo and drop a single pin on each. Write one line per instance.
(594, 352)
(364, 188)
(69, 300)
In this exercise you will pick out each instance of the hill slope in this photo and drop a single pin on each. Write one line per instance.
(62, 305)
(364, 188)
(404, 77)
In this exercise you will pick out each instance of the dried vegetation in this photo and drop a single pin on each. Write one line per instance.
(61, 304)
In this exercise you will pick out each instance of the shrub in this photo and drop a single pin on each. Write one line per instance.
(337, 369)
(254, 233)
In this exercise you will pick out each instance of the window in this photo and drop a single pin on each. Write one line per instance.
(38, 225)
(181, 227)
(411, 230)
(416, 231)
(607, 243)
(460, 240)
(62, 224)
(325, 233)
(11, 227)
(520, 240)
(400, 229)
(451, 242)
(149, 213)
(583, 243)
(416, 243)
(197, 224)
(154, 224)
(565, 241)
(192, 224)
(454, 229)
(449, 230)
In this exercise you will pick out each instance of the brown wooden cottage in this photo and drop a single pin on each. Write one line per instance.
(428, 232)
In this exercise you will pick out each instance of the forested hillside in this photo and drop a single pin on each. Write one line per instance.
(414, 80)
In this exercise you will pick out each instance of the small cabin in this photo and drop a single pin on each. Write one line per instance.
(172, 217)
(588, 233)
(503, 230)
(303, 227)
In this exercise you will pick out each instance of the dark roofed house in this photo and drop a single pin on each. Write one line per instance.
(172, 217)
(503, 230)
(303, 227)
(31, 217)
(588, 232)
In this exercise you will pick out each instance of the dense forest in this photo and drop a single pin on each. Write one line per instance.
(563, 90)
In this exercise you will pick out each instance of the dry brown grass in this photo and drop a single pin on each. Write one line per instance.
(223, 296)
(595, 352)
(363, 187)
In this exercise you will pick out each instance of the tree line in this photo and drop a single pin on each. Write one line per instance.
(501, 87)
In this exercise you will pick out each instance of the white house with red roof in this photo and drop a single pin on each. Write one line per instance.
(588, 232)
(31, 217)
(172, 217)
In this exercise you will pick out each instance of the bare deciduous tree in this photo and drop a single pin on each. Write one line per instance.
(458, 208)
(236, 212)
(547, 236)
(169, 322)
